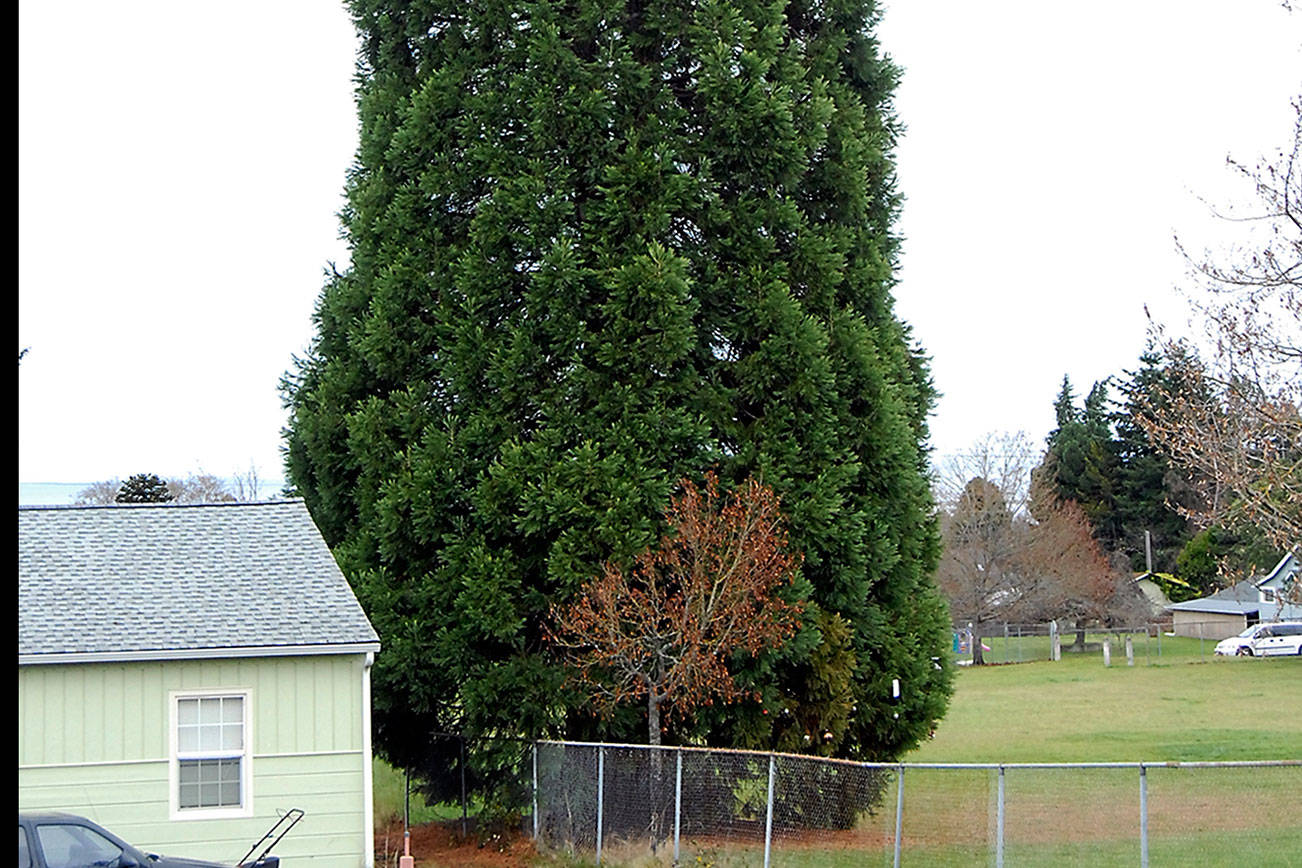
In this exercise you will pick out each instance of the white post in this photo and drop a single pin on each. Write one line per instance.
(535, 793)
(368, 786)
(1130, 651)
(601, 778)
(999, 823)
(1107, 651)
(768, 818)
(678, 802)
(899, 812)
(1143, 816)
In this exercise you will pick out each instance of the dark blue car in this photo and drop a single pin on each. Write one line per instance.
(55, 840)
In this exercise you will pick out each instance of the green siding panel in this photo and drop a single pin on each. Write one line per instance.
(94, 740)
(132, 801)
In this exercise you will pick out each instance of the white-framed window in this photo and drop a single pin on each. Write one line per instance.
(211, 757)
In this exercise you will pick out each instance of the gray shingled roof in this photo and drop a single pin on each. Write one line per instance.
(125, 580)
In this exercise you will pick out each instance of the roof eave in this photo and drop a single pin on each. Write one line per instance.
(198, 653)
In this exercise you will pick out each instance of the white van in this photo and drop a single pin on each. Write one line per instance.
(1261, 640)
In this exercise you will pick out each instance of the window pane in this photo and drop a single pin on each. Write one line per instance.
(210, 711)
(187, 795)
(187, 712)
(232, 737)
(187, 739)
(71, 846)
(233, 710)
(209, 783)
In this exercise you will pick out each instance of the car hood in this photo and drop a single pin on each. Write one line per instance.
(181, 862)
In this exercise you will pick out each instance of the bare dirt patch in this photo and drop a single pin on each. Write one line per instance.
(440, 845)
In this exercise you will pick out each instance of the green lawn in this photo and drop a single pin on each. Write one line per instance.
(1078, 710)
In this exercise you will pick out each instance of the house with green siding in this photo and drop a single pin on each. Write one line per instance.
(188, 673)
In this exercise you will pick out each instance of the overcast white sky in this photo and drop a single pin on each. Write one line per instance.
(181, 166)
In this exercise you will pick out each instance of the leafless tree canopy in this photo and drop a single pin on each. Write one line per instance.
(1002, 564)
(1232, 420)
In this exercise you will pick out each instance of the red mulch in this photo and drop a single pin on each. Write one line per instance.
(439, 845)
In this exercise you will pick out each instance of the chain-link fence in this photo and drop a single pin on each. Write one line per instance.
(1142, 645)
(637, 805)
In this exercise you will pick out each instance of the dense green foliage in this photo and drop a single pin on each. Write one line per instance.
(1217, 556)
(1101, 457)
(598, 247)
(143, 488)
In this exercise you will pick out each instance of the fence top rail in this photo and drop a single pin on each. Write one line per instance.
(1208, 764)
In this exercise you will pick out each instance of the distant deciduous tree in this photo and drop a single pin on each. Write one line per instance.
(99, 493)
(201, 488)
(1014, 551)
(144, 488)
(664, 628)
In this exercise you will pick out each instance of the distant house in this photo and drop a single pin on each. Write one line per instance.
(1227, 613)
(187, 673)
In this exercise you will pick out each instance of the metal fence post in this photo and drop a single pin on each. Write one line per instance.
(768, 817)
(999, 822)
(678, 801)
(1143, 816)
(535, 793)
(601, 779)
(899, 812)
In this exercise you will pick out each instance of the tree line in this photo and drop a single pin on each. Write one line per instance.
(1187, 469)
(201, 487)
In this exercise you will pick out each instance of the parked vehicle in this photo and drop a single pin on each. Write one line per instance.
(1268, 637)
(57, 840)
(1276, 639)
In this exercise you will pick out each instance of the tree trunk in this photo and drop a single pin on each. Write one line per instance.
(657, 768)
(978, 658)
(653, 719)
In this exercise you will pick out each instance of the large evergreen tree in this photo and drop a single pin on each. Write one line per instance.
(597, 247)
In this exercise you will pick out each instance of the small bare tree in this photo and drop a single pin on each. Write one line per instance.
(99, 493)
(201, 487)
(1001, 563)
(663, 628)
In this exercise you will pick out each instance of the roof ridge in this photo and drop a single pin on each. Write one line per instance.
(279, 501)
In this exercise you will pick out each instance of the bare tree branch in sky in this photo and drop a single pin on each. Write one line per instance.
(1232, 420)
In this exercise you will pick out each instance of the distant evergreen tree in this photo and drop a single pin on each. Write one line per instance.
(1217, 557)
(1081, 461)
(1100, 456)
(597, 248)
(144, 488)
(1149, 489)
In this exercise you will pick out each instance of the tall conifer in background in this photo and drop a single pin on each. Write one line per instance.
(598, 247)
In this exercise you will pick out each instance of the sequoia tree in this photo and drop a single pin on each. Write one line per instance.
(599, 247)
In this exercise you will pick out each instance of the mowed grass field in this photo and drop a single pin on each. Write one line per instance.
(1078, 710)
(1190, 707)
